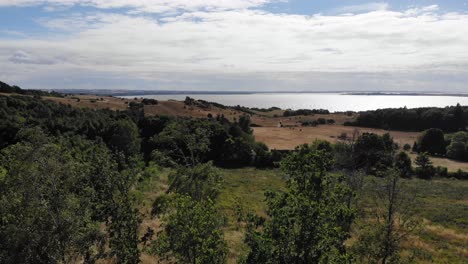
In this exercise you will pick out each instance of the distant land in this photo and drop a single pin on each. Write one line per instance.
(172, 92)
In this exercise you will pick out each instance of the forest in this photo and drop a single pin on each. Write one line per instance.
(449, 119)
(70, 180)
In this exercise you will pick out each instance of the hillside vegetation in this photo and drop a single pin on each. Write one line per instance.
(96, 185)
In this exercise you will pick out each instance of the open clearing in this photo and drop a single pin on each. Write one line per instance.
(443, 205)
(442, 239)
(289, 137)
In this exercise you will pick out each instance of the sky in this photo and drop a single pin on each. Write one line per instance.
(235, 45)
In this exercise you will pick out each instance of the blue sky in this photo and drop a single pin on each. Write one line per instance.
(298, 45)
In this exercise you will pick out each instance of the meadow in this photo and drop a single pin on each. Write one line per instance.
(442, 207)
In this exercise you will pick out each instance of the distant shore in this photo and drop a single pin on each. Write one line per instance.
(169, 92)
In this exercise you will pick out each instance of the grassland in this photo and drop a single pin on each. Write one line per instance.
(443, 206)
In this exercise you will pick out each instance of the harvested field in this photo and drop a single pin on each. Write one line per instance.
(91, 101)
(289, 138)
(169, 108)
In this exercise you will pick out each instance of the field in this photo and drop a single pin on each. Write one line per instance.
(169, 108)
(290, 137)
(443, 203)
(443, 206)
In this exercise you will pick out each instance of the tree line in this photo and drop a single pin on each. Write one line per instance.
(448, 119)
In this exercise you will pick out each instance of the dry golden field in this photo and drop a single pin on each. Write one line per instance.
(290, 137)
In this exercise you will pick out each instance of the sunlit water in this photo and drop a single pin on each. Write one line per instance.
(330, 101)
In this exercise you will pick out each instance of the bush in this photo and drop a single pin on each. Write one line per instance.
(305, 112)
(148, 101)
(461, 175)
(433, 142)
(407, 147)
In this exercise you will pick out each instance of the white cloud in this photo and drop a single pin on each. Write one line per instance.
(235, 43)
(368, 7)
(150, 6)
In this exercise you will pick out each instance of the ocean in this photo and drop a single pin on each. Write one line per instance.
(334, 102)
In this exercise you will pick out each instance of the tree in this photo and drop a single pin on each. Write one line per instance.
(244, 123)
(432, 141)
(199, 182)
(263, 157)
(457, 150)
(407, 147)
(458, 147)
(458, 116)
(192, 233)
(390, 221)
(186, 141)
(45, 218)
(403, 165)
(123, 137)
(374, 153)
(425, 169)
(123, 231)
(310, 221)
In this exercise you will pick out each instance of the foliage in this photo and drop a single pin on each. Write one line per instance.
(123, 231)
(123, 136)
(310, 222)
(407, 147)
(192, 233)
(449, 119)
(305, 112)
(244, 124)
(374, 153)
(5, 88)
(63, 187)
(432, 141)
(187, 142)
(201, 181)
(458, 147)
(149, 101)
(425, 170)
(392, 220)
(403, 165)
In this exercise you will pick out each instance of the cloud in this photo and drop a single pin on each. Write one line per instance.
(368, 7)
(219, 48)
(22, 57)
(149, 6)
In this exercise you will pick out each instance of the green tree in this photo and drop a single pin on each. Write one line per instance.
(458, 116)
(425, 169)
(123, 137)
(123, 231)
(186, 141)
(403, 165)
(192, 233)
(199, 182)
(458, 147)
(374, 153)
(432, 141)
(310, 222)
(244, 123)
(44, 217)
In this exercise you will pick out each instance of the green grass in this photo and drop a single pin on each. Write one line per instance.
(244, 188)
(442, 203)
